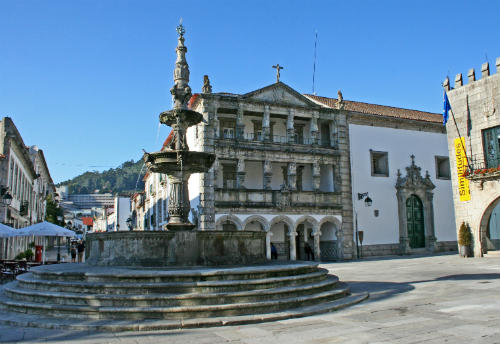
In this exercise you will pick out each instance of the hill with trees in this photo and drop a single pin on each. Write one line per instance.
(122, 179)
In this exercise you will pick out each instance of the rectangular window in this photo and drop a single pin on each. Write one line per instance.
(229, 175)
(379, 164)
(325, 134)
(491, 146)
(442, 167)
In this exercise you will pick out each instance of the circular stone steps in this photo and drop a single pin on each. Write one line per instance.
(171, 296)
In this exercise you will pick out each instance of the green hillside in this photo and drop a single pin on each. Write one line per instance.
(122, 179)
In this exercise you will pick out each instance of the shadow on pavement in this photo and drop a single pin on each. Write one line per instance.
(383, 290)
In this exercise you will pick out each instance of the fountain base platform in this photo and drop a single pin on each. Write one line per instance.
(175, 248)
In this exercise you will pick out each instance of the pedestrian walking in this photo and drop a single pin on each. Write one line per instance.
(81, 249)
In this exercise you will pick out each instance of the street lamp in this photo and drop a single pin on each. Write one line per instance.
(5, 196)
(359, 235)
(129, 223)
(59, 218)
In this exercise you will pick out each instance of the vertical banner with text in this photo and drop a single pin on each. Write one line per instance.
(463, 183)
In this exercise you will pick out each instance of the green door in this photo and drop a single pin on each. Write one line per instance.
(415, 216)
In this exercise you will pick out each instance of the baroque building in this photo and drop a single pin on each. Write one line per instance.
(474, 146)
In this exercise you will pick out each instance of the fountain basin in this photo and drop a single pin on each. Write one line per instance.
(175, 248)
(185, 116)
(167, 161)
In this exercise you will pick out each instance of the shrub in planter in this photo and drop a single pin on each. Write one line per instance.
(20, 256)
(28, 254)
(464, 240)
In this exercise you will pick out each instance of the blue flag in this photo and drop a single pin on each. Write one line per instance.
(446, 108)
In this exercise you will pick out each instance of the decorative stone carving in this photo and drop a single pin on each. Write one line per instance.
(290, 129)
(268, 173)
(266, 130)
(207, 88)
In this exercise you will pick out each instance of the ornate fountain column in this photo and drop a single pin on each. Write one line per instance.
(176, 160)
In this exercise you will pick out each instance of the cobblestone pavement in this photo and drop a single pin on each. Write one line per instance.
(438, 299)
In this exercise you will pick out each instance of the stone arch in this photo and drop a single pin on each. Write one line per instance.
(285, 219)
(281, 236)
(331, 219)
(308, 218)
(260, 219)
(234, 219)
(483, 224)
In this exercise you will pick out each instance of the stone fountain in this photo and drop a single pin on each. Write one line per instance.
(177, 161)
(177, 278)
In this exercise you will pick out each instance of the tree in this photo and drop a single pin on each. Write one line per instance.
(53, 211)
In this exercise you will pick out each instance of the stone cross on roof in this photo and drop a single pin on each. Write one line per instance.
(278, 68)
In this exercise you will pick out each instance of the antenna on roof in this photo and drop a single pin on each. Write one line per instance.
(314, 63)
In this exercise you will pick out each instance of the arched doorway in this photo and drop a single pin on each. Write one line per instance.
(328, 241)
(280, 239)
(415, 222)
(490, 227)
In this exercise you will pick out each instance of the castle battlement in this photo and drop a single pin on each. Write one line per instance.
(471, 76)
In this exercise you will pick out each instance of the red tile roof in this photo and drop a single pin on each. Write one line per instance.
(87, 221)
(380, 110)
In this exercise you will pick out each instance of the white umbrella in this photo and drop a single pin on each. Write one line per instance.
(45, 229)
(6, 231)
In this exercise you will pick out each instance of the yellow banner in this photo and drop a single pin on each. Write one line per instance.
(463, 183)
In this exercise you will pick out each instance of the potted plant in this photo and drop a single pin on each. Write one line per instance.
(464, 240)
(28, 254)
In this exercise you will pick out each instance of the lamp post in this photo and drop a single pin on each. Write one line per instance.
(368, 203)
(5, 196)
(59, 218)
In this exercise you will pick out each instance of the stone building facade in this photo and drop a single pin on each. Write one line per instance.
(25, 175)
(282, 166)
(476, 119)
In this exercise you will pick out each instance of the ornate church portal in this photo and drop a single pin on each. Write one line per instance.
(416, 210)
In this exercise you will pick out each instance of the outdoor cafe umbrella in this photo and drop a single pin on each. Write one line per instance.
(6, 231)
(45, 229)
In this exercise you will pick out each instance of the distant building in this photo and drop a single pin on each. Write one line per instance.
(474, 146)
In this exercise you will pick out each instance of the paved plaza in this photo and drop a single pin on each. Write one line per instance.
(436, 299)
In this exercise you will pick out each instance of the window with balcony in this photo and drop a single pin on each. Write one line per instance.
(227, 128)
(379, 164)
(325, 134)
(229, 176)
(442, 167)
(491, 146)
(299, 133)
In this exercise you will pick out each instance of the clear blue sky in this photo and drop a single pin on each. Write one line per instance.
(86, 80)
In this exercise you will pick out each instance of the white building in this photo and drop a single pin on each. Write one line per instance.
(383, 141)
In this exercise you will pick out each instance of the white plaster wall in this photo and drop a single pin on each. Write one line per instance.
(399, 144)
(254, 175)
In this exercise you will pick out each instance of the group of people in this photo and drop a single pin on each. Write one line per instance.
(78, 247)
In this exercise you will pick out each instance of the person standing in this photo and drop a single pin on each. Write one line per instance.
(81, 249)
(73, 254)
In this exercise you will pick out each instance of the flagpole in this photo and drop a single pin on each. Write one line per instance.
(459, 135)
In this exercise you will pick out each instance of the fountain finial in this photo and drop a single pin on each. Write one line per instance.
(181, 92)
